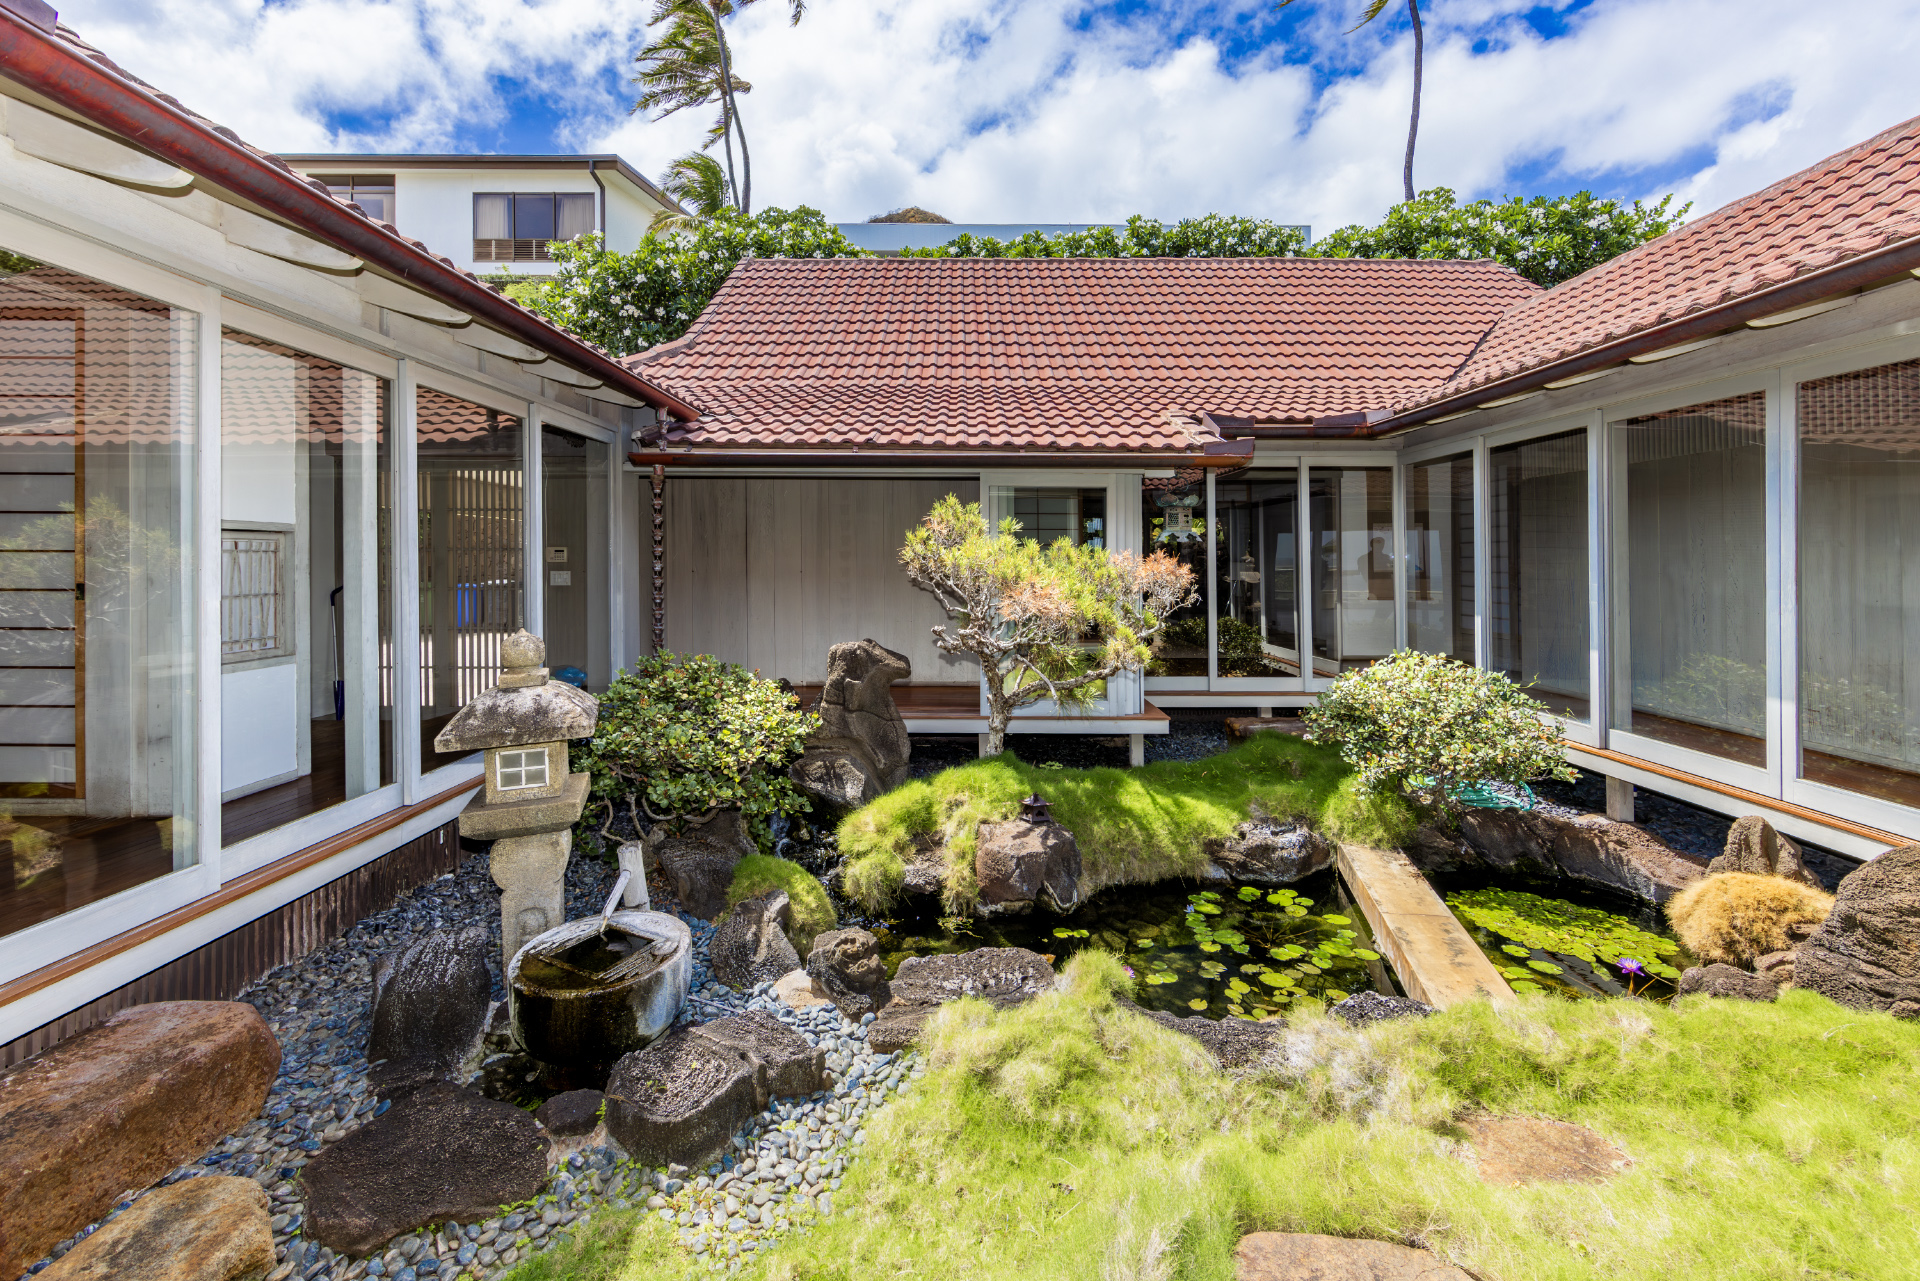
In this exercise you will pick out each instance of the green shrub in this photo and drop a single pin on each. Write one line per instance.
(688, 735)
(813, 913)
(1426, 722)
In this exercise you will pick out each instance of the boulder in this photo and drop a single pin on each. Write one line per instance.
(861, 747)
(1723, 980)
(1002, 976)
(699, 864)
(1265, 851)
(213, 1228)
(1305, 1256)
(440, 1153)
(679, 1100)
(1234, 1043)
(1753, 846)
(1020, 863)
(1867, 954)
(117, 1107)
(925, 871)
(1587, 847)
(1526, 1149)
(431, 1000)
(797, 990)
(1776, 967)
(750, 945)
(571, 1114)
(1363, 1008)
(785, 1064)
(846, 968)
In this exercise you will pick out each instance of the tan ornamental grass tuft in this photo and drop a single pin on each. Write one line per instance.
(1736, 917)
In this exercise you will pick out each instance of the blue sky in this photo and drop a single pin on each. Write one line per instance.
(1057, 110)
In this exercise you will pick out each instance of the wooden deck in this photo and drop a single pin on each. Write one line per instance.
(941, 708)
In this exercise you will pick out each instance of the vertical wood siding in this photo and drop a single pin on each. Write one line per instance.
(771, 573)
(221, 969)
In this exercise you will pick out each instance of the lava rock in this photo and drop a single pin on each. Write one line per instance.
(784, 1063)
(750, 945)
(925, 869)
(1234, 1043)
(117, 1107)
(1776, 967)
(440, 1153)
(679, 1100)
(1723, 980)
(1270, 852)
(861, 748)
(1525, 1149)
(1002, 976)
(1753, 846)
(1587, 847)
(1305, 1256)
(798, 991)
(1867, 954)
(212, 1228)
(845, 966)
(1363, 1008)
(431, 1000)
(700, 864)
(574, 1113)
(1018, 864)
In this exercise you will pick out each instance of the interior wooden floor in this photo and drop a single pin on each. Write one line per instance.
(248, 816)
(1726, 744)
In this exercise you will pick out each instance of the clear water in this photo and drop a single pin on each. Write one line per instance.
(1220, 950)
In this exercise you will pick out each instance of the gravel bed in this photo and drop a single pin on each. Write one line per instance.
(791, 1157)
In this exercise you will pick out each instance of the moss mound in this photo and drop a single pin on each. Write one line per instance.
(1735, 917)
(813, 913)
(1133, 826)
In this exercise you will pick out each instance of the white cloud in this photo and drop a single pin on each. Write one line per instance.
(1034, 110)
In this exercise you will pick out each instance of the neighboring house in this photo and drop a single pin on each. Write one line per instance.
(888, 238)
(490, 212)
(228, 401)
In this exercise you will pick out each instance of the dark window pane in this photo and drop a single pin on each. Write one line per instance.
(1537, 545)
(532, 217)
(1352, 533)
(1440, 557)
(1257, 631)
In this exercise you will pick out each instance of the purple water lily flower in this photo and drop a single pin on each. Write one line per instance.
(1627, 965)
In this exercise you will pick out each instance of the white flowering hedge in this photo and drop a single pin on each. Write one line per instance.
(628, 302)
(1430, 724)
(1214, 236)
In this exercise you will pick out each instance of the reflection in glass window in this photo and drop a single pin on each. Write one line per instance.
(1859, 593)
(1693, 611)
(1047, 515)
(1256, 517)
(1174, 521)
(1351, 510)
(574, 577)
(306, 704)
(1537, 607)
(96, 566)
(472, 545)
(1440, 557)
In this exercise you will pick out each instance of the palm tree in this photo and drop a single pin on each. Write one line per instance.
(1374, 10)
(698, 183)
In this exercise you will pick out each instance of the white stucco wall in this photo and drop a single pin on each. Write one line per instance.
(435, 206)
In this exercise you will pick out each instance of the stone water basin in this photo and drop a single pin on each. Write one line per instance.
(567, 1014)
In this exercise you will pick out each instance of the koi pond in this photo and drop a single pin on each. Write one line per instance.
(1220, 950)
(1555, 936)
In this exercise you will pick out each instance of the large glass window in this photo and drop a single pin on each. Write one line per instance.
(574, 515)
(1691, 611)
(519, 226)
(1537, 560)
(1351, 532)
(1439, 555)
(306, 708)
(472, 548)
(1860, 581)
(1174, 521)
(1255, 591)
(96, 577)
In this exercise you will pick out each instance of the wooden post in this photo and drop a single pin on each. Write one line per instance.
(659, 562)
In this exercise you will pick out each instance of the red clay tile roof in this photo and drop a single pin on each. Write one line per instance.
(1080, 353)
(1861, 200)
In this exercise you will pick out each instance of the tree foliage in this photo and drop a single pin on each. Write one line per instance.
(628, 302)
(1045, 622)
(1547, 240)
(1427, 723)
(1213, 236)
(686, 735)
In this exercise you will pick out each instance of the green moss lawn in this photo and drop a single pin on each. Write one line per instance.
(1070, 1138)
(1132, 825)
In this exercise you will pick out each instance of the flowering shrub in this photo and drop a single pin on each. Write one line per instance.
(683, 736)
(1427, 722)
(1547, 241)
(1214, 236)
(628, 302)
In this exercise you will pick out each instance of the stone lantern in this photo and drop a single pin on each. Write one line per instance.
(530, 802)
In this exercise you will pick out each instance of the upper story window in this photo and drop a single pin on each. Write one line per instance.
(517, 226)
(373, 192)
